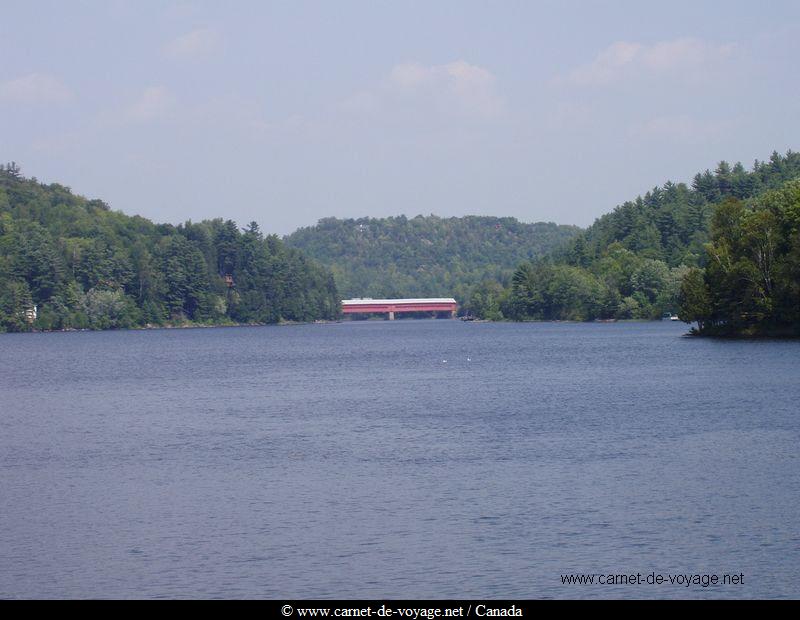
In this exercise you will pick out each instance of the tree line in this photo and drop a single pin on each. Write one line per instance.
(67, 262)
(722, 251)
(632, 263)
(425, 256)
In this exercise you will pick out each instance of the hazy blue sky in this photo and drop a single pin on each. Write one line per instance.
(286, 112)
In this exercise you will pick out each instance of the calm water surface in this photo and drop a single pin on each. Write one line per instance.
(351, 460)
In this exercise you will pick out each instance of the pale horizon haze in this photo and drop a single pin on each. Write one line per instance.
(288, 112)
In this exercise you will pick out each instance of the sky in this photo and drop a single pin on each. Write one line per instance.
(285, 112)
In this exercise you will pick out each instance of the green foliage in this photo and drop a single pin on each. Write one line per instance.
(751, 284)
(427, 256)
(487, 300)
(695, 299)
(83, 266)
(15, 300)
(556, 292)
(110, 309)
(671, 223)
(644, 259)
(630, 264)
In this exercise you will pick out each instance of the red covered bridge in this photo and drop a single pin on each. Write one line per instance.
(392, 306)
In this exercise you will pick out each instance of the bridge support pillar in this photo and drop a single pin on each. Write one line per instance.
(391, 315)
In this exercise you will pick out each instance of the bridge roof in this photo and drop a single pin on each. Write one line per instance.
(372, 302)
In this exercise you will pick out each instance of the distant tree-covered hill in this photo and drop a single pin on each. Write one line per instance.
(82, 265)
(631, 262)
(425, 256)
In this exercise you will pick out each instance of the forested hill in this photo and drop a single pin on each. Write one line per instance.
(425, 255)
(631, 262)
(671, 223)
(83, 265)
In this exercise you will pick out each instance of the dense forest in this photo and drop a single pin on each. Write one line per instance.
(751, 282)
(67, 262)
(723, 251)
(425, 256)
(631, 263)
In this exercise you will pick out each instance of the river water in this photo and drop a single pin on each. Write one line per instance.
(397, 459)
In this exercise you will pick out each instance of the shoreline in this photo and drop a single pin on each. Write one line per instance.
(152, 327)
(776, 334)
